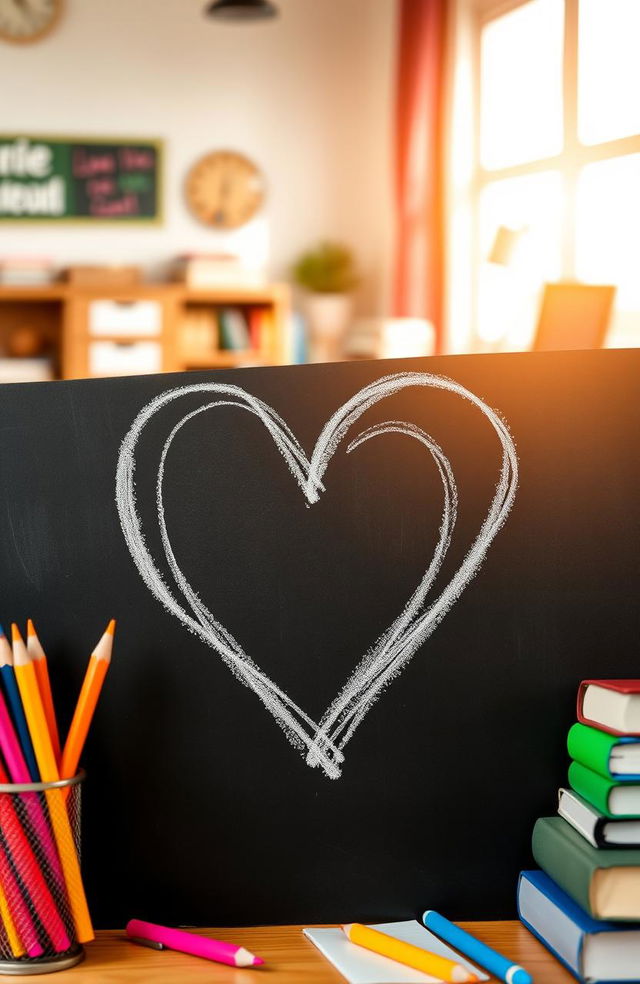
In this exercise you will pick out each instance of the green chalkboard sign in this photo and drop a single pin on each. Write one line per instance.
(52, 179)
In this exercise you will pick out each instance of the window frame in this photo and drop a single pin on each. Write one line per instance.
(573, 156)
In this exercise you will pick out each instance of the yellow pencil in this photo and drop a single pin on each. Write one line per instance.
(9, 926)
(407, 953)
(39, 731)
(90, 691)
(37, 654)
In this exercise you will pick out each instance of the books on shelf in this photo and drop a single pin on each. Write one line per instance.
(585, 903)
(26, 271)
(234, 330)
(207, 330)
(14, 370)
(202, 271)
(593, 950)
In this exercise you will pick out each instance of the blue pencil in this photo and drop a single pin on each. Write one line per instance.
(495, 963)
(8, 676)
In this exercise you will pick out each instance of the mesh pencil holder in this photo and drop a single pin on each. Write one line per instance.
(37, 931)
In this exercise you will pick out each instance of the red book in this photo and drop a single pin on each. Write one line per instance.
(610, 705)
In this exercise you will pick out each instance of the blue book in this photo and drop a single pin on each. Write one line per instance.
(595, 951)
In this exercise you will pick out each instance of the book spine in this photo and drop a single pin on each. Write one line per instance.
(563, 861)
(591, 747)
(543, 939)
(591, 785)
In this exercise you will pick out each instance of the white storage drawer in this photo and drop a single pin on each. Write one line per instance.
(108, 317)
(124, 358)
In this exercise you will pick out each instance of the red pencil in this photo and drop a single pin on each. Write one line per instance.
(18, 847)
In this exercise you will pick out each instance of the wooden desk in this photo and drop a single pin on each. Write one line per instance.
(290, 959)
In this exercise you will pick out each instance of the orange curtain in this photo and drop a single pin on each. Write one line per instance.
(418, 275)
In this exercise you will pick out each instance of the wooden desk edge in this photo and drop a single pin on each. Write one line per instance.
(289, 958)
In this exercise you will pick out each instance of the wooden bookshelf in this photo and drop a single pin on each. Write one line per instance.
(94, 331)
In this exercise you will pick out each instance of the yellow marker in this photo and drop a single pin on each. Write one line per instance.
(407, 953)
(9, 927)
(47, 765)
(89, 693)
(37, 654)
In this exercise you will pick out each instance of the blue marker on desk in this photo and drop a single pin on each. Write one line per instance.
(8, 676)
(495, 963)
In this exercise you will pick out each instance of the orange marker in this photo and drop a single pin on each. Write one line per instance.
(408, 954)
(91, 686)
(48, 767)
(37, 654)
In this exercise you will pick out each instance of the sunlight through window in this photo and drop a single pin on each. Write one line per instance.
(609, 70)
(521, 85)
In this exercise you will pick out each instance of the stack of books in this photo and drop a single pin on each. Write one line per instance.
(584, 904)
(26, 271)
(216, 270)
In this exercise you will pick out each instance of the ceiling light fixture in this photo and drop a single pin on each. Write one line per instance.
(241, 10)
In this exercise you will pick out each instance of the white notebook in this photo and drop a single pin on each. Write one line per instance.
(361, 966)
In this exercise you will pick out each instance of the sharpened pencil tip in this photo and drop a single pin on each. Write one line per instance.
(111, 627)
(15, 633)
(2, 635)
(30, 628)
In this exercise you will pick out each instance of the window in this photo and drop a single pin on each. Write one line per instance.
(558, 162)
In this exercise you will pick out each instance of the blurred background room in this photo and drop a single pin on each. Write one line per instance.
(188, 184)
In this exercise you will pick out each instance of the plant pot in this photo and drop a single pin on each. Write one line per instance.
(328, 317)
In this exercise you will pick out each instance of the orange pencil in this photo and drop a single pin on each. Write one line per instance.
(37, 654)
(408, 954)
(90, 691)
(39, 730)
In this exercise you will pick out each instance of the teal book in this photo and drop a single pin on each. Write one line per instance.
(605, 883)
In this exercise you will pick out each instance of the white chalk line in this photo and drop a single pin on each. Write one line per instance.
(398, 644)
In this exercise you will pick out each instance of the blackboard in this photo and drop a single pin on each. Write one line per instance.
(56, 179)
(198, 806)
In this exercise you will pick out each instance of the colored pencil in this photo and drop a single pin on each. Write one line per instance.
(8, 676)
(39, 731)
(408, 954)
(27, 867)
(474, 949)
(90, 691)
(37, 653)
(9, 927)
(18, 773)
(17, 904)
(199, 946)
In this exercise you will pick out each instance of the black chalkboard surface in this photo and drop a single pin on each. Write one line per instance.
(297, 725)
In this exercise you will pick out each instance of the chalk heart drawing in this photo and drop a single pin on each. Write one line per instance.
(321, 743)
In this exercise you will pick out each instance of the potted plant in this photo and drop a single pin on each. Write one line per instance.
(328, 274)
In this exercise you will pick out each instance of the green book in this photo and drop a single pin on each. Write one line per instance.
(605, 883)
(614, 799)
(612, 756)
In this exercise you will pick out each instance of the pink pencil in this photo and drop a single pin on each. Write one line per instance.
(18, 772)
(199, 946)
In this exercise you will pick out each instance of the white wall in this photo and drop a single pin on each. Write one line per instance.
(308, 97)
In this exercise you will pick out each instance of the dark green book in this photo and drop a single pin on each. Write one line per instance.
(605, 883)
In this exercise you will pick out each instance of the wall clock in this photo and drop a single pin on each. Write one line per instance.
(224, 189)
(24, 21)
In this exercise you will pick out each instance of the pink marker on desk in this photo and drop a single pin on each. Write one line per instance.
(199, 946)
